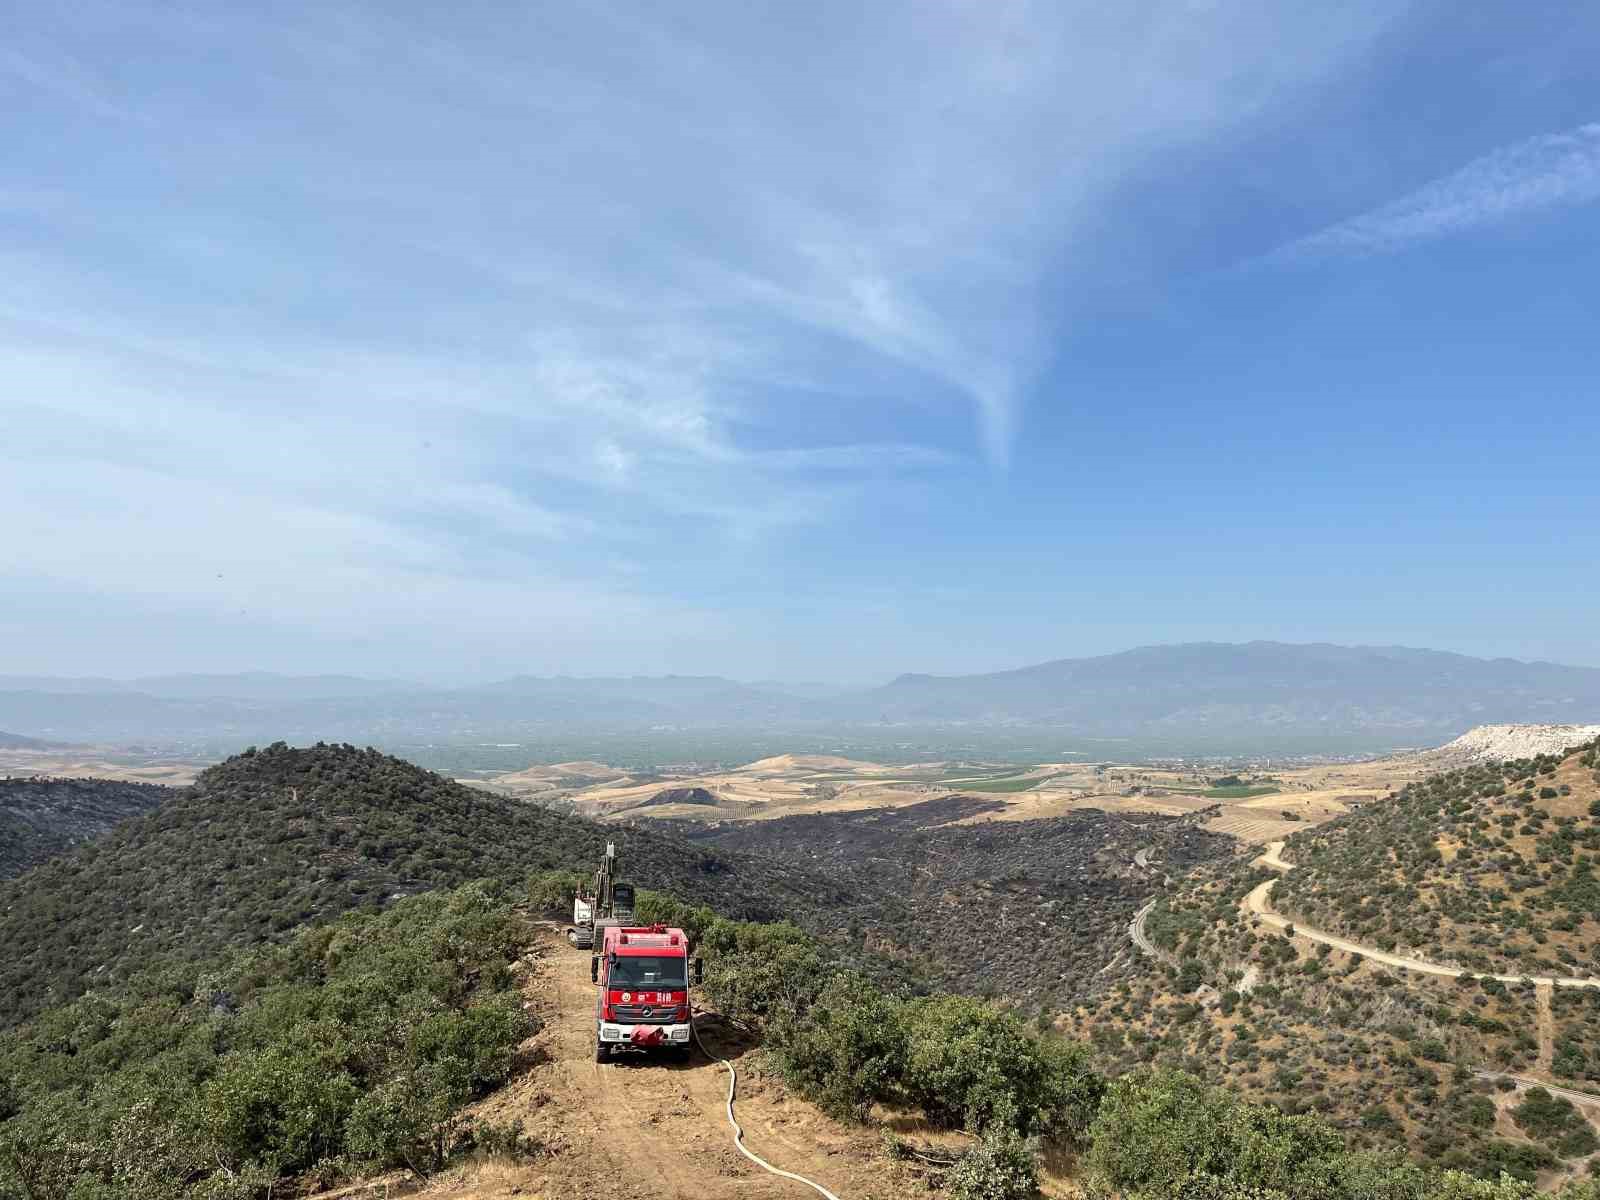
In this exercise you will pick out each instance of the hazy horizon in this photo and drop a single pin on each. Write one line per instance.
(829, 684)
(814, 344)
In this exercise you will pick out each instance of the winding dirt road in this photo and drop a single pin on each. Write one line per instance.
(1257, 905)
(1136, 931)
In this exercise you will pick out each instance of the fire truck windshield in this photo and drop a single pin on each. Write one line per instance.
(648, 971)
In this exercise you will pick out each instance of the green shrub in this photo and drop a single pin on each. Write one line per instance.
(846, 1050)
(756, 972)
(1190, 977)
(1001, 1167)
(1554, 1120)
(408, 1120)
(971, 1066)
(1162, 1134)
(551, 892)
(355, 1043)
(283, 1108)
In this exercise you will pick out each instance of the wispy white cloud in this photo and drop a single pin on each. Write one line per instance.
(393, 295)
(1550, 171)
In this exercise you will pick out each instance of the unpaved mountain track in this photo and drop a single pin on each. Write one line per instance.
(646, 1129)
(1524, 1082)
(1547, 1029)
(1258, 904)
(1136, 931)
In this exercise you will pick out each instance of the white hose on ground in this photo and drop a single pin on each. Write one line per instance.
(738, 1134)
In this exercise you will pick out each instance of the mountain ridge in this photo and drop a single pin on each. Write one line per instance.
(1386, 695)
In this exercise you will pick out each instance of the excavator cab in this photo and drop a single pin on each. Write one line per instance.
(622, 903)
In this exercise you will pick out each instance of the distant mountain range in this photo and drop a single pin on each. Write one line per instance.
(1257, 690)
(15, 741)
(1232, 687)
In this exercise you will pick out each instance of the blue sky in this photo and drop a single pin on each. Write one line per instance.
(811, 342)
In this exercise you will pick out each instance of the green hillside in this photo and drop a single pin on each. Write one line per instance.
(273, 839)
(1488, 867)
(1390, 1058)
(353, 1044)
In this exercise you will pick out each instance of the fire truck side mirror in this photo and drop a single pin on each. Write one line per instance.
(594, 968)
(699, 970)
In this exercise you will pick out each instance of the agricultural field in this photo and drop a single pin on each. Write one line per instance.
(1256, 805)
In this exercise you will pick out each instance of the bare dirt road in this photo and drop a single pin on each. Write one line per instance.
(644, 1129)
(1258, 904)
(1136, 931)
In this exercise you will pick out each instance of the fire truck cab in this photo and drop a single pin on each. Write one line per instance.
(642, 1003)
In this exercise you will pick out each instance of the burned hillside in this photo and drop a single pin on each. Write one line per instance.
(42, 817)
(680, 795)
(1028, 910)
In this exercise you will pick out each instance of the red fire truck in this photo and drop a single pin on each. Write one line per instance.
(643, 1001)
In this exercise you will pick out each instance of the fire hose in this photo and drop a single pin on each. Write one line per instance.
(738, 1133)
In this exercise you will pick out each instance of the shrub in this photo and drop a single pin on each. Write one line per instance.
(355, 1043)
(756, 972)
(1161, 1134)
(1001, 1167)
(846, 1050)
(1554, 1119)
(504, 1139)
(969, 1065)
(283, 1108)
(409, 1120)
(1190, 976)
(551, 892)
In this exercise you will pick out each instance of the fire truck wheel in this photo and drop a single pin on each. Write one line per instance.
(602, 1052)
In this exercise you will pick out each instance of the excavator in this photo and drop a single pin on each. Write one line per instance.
(606, 902)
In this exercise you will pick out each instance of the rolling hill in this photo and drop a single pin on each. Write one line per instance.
(1029, 912)
(1489, 868)
(1486, 869)
(273, 839)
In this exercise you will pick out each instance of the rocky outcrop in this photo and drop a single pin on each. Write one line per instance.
(1499, 743)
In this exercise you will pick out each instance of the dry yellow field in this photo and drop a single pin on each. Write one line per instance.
(86, 764)
(791, 784)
